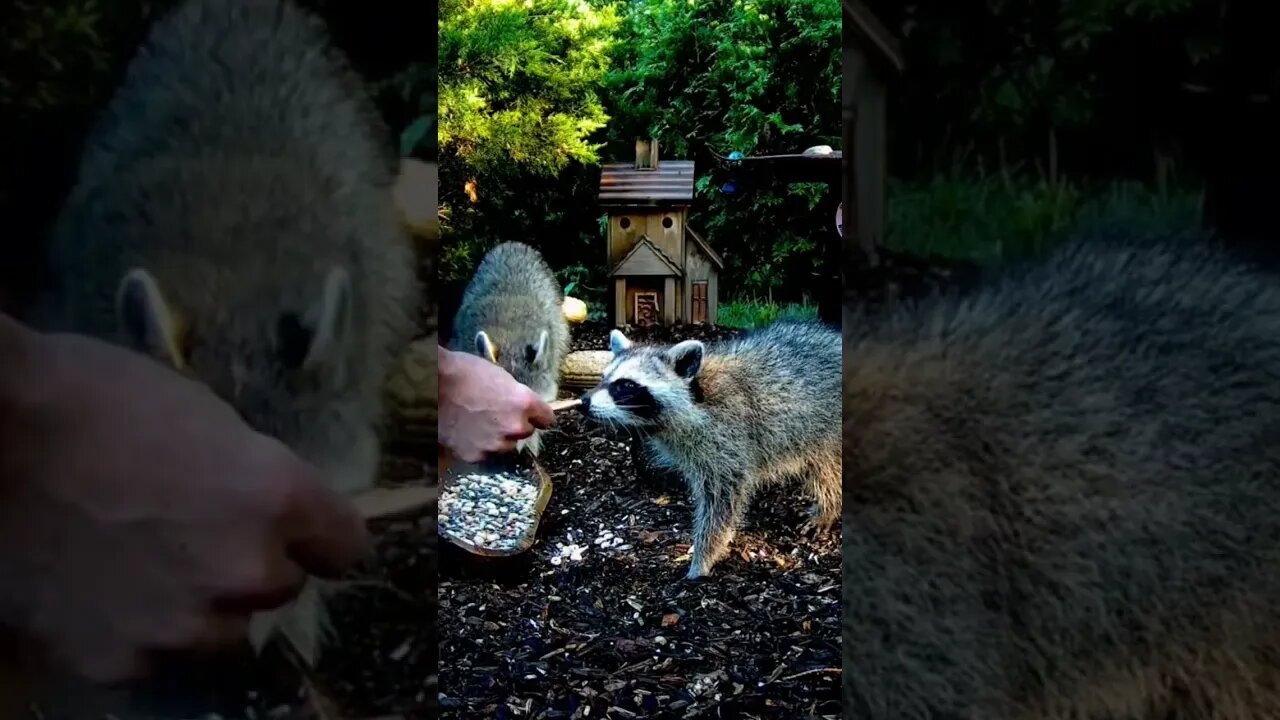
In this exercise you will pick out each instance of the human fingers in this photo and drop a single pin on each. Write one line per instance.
(219, 630)
(323, 531)
(468, 453)
(540, 413)
(263, 581)
(207, 631)
(108, 661)
(516, 428)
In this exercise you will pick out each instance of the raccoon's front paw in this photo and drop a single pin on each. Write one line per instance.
(697, 570)
(700, 565)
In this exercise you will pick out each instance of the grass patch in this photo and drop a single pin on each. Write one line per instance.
(990, 218)
(749, 314)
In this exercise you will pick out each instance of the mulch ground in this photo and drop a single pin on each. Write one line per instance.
(621, 633)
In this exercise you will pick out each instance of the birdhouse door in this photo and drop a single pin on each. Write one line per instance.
(646, 307)
(699, 298)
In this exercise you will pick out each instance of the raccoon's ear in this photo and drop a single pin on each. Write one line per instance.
(538, 351)
(686, 358)
(330, 319)
(149, 324)
(485, 347)
(618, 342)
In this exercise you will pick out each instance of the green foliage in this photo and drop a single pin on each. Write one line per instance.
(520, 107)
(519, 83)
(61, 55)
(737, 75)
(988, 219)
(756, 76)
(1131, 204)
(582, 282)
(749, 314)
(1019, 79)
(415, 86)
(706, 78)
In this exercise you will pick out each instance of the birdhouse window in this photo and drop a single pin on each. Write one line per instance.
(667, 222)
(625, 223)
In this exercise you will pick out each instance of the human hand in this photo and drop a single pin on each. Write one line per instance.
(483, 410)
(139, 513)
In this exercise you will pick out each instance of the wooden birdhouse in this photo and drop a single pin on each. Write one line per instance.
(662, 271)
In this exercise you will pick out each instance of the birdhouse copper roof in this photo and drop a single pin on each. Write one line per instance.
(622, 185)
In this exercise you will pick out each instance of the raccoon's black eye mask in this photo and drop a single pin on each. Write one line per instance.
(634, 397)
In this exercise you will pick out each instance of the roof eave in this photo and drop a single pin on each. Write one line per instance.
(653, 248)
(705, 247)
(642, 203)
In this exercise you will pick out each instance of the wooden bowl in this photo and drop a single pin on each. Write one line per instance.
(522, 465)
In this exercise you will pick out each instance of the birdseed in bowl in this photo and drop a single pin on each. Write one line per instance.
(490, 511)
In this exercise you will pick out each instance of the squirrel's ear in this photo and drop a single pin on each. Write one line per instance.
(537, 352)
(147, 321)
(485, 347)
(330, 319)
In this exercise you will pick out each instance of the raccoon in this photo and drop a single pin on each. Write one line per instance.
(731, 418)
(512, 313)
(234, 219)
(1062, 491)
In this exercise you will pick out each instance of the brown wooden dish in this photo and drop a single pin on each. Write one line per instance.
(522, 465)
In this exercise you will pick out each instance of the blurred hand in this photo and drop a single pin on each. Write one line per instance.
(139, 513)
(483, 410)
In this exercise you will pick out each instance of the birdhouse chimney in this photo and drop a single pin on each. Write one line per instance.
(646, 153)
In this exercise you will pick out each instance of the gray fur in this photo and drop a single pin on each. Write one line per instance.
(234, 218)
(1062, 493)
(515, 300)
(733, 417)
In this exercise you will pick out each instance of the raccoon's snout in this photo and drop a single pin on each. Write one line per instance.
(584, 406)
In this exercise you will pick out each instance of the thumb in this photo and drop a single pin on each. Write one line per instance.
(541, 415)
(324, 531)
